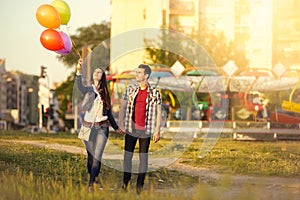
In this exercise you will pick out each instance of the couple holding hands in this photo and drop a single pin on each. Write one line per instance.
(139, 120)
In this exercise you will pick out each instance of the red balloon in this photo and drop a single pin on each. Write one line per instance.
(67, 44)
(51, 40)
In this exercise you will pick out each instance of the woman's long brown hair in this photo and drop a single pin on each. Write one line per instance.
(103, 90)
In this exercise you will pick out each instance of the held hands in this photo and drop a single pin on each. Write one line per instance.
(121, 131)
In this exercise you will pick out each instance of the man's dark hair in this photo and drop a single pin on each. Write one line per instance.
(146, 68)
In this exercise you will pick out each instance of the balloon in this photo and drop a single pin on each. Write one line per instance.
(52, 40)
(63, 10)
(48, 16)
(67, 44)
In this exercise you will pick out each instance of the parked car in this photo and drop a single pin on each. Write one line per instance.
(31, 129)
(34, 129)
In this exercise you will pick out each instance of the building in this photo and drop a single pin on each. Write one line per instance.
(19, 98)
(266, 30)
(2, 86)
(5, 118)
(286, 33)
(127, 16)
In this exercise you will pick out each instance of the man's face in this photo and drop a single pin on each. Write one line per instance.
(140, 75)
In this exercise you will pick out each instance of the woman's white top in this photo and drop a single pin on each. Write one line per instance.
(95, 114)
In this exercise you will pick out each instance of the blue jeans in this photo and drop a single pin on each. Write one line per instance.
(130, 142)
(95, 148)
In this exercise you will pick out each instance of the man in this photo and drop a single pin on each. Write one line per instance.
(141, 109)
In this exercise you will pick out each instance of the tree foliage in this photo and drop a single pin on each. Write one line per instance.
(219, 47)
(213, 42)
(64, 93)
(161, 56)
(90, 37)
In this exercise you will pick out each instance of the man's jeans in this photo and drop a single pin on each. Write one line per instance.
(130, 142)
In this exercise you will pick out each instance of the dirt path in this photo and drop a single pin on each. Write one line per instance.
(238, 186)
(222, 185)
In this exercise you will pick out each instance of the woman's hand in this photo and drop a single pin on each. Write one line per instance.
(78, 66)
(121, 132)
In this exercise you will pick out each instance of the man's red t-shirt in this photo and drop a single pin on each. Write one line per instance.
(140, 109)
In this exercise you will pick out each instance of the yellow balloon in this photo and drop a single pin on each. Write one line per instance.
(48, 16)
(63, 9)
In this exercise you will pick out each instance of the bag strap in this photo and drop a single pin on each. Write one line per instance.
(95, 116)
(94, 89)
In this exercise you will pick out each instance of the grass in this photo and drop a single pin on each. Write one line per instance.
(279, 158)
(29, 172)
(263, 158)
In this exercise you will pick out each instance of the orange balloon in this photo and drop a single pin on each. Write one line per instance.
(48, 16)
(52, 40)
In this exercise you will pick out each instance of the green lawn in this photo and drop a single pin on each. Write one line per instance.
(30, 172)
(270, 158)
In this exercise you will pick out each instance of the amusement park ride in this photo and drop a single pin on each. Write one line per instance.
(290, 105)
(222, 98)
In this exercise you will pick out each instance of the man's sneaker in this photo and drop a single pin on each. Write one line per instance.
(139, 190)
(125, 186)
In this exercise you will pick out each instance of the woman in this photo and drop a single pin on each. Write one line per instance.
(97, 107)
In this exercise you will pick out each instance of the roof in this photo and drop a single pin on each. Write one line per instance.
(200, 71)
(129, 74)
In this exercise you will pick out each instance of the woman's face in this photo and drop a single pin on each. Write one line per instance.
(97, 75)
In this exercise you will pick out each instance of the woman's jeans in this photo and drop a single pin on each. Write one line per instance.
(130, 142)
(95, 148)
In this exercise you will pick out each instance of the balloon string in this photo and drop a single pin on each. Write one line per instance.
(75, 48)
(74, 45)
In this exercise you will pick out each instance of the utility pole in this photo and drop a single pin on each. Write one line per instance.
(41, 96)
(44, 92)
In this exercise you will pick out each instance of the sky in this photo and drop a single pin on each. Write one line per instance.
(20, 32)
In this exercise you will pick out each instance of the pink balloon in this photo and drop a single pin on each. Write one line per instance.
(67, 44)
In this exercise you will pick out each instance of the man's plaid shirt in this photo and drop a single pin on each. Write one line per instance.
(153, 99)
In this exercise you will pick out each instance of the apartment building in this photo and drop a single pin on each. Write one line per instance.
(266, 30)
(18, 99)
(286, 33)
(2, 86)
(126, 52)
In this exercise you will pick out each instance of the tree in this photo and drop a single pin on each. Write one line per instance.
(160, 55)
(213, 42)
(90, 36)
(63, 93)
(218, 46)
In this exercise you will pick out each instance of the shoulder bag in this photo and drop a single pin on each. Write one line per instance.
(85, 131)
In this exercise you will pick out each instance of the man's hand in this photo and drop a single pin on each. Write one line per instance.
(156, 136)
(121, 131)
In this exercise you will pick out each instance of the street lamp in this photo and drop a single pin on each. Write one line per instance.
(43, 72)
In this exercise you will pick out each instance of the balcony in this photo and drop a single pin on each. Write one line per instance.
(182, 7)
